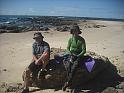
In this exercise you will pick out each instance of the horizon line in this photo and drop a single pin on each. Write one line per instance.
(68, 16)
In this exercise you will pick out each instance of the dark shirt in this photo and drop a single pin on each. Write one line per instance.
(38, 49)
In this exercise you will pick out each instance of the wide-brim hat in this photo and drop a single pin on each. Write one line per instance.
(75, 28)
(37, 35)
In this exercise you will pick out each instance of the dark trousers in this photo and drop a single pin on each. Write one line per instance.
(34, 69)
(72, 69)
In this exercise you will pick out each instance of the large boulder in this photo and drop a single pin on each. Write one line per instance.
(43, 28)
(63, 28)
(57, 74)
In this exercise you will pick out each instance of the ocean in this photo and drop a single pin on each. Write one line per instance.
(14, 18)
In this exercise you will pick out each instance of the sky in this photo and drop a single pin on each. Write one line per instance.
(78, 8)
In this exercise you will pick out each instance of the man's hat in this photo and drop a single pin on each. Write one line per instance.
(37, 34)
(75, 28)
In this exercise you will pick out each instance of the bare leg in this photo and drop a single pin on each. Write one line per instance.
(26, 78)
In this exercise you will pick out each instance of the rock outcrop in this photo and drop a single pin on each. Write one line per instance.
(57, 74)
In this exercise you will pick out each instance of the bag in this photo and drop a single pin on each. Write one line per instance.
(89, 63)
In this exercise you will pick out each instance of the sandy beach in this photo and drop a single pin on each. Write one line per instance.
(16, 48)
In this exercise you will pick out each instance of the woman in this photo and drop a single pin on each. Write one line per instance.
(76, 48)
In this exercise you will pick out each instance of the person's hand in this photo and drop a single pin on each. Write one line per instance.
(74, 57)
(38, 62)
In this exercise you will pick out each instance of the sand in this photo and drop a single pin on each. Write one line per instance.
(16, 48)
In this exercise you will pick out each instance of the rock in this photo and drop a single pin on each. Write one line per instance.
(2, 30)
(120, 91)
(4, 69)
(120, 86)
(92, 25)
(58, 75)
(63, 28)
(110, 90)
(48, 76)
(122, 51)
(43, 28)
(10, 87)
(98, 26)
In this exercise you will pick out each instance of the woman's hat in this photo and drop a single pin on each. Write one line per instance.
(37, 34)
(75, 28)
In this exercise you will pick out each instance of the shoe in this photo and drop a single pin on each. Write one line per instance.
(65, 86)
(25, 91)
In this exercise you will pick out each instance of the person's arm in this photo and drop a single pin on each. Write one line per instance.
(68, 46)
(34, 53)
(35, 58)
(46, 53)
(83, 49)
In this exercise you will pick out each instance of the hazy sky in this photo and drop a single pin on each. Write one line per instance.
(82, 8)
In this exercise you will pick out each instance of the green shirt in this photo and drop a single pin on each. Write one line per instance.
(77, 46)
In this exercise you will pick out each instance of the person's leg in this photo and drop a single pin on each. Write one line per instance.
(44, 64)
(71, 72)
(68, 71)
(31, 69)
(34, 70)
(43, 70)
(26, 78)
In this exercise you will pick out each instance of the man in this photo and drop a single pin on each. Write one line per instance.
(41, 56)
(76, 48)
